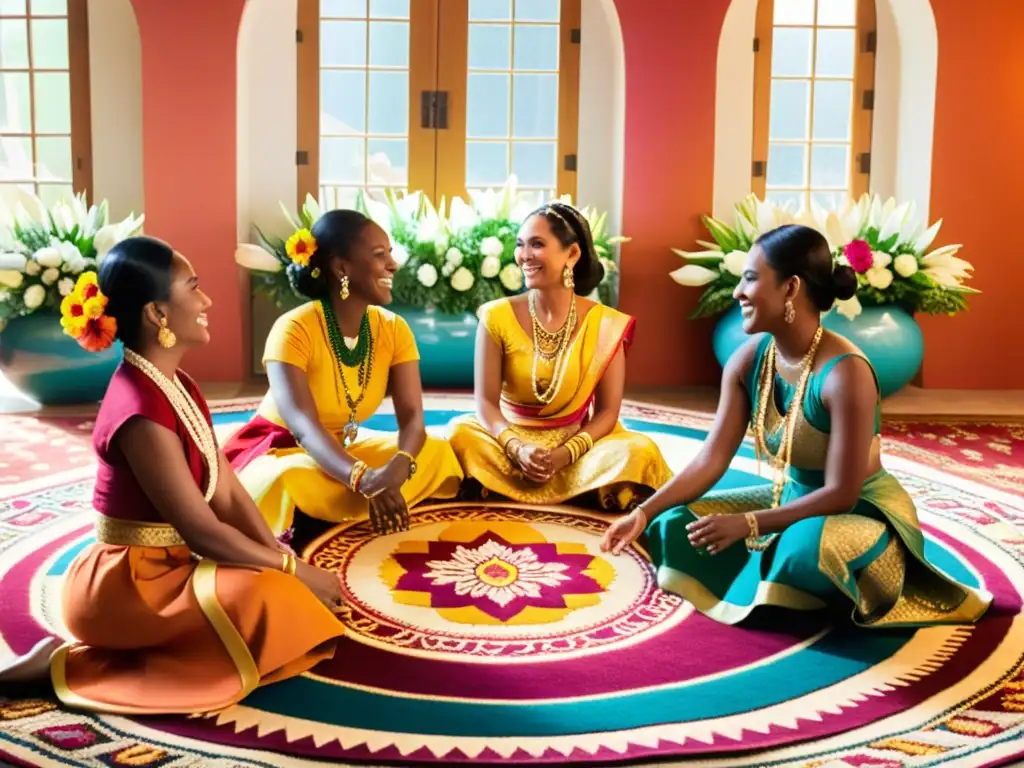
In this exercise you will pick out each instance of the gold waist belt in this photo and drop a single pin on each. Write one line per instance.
(131, 533)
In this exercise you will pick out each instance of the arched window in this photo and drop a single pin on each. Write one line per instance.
(45, 137)
(444, 96)
(813, 98)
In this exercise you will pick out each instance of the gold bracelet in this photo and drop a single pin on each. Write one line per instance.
(578, 445)
(506, 437)
(412, 461)
(510, 448)
(358, 470)
(755, 530)
(288, 563)
(588, 441)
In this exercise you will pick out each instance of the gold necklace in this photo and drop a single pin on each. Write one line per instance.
(781, 461)
(546, 342)
(188, 413)
(561, 338)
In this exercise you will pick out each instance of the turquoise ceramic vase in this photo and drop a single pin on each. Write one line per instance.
(446, 344)
(49, 366)
(888, 336)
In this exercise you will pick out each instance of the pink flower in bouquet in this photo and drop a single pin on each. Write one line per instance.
(858, 253)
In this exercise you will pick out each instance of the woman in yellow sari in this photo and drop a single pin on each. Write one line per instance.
(546, 428)
(330, 363)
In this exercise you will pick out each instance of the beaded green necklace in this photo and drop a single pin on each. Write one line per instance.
(360, 356)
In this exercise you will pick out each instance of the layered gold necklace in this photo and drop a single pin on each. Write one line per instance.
(780, 462)
(553, 346)
(190, 414)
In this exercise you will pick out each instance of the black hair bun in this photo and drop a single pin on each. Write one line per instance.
(844, 282)
(304, 283)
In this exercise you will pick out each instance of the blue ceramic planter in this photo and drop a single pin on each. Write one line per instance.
(888, 336)
(44, 363)
(446, 344)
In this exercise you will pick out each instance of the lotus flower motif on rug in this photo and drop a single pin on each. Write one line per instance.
(502, 573)
(500, 633)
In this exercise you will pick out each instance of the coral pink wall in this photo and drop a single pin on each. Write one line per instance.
(977, 169)
(189, 127)
(671, 50)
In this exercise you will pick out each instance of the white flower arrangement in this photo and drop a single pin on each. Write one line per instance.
(43, 249)
(881, 241)
(453, 257)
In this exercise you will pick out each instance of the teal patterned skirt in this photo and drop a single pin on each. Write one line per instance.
(872, 558)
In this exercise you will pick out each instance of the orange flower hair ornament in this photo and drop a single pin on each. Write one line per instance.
(83, 315)
(300, 247)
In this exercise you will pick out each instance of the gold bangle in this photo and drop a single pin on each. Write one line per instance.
(578, 445)
(510, 448)
(506, 437)
(576, 449)
(412, 462)
(571, 449)
(288, 563)
(752, 524)
(358, 470)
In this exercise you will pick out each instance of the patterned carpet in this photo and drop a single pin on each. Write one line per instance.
(493, 633)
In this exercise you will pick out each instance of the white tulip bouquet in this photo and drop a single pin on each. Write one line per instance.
(43, 250)
(881, 241)
(453, 257)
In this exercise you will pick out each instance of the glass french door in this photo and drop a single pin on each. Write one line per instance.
(449, 97)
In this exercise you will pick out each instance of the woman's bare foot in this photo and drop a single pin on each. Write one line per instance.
(31, 666)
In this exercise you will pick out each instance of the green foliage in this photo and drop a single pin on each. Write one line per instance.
(715, 300)
(443, 258)
(934, 287)
(47, 248)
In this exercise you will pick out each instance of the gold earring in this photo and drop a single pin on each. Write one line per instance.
(567, 279)
(790, 315)
(165, 336)
(344, 287)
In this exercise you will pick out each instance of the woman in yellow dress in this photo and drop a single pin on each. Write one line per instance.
(546, 428)
(330, 364)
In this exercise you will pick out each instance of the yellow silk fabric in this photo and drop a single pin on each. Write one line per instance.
(299, 337)
(286, 478)
(621, 465)
(599, 337)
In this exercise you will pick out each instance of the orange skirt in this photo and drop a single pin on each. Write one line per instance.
(162, 633)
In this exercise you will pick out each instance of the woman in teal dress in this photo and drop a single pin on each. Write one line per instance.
(833, 526)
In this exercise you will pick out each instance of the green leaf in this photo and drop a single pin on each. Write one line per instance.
(714, 301)
(888, 245)
(871, 237)
(723, 235)
(921, 279)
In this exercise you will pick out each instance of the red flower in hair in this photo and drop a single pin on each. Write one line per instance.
(98, 334)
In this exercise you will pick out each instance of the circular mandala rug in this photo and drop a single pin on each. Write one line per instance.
(500, 633)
